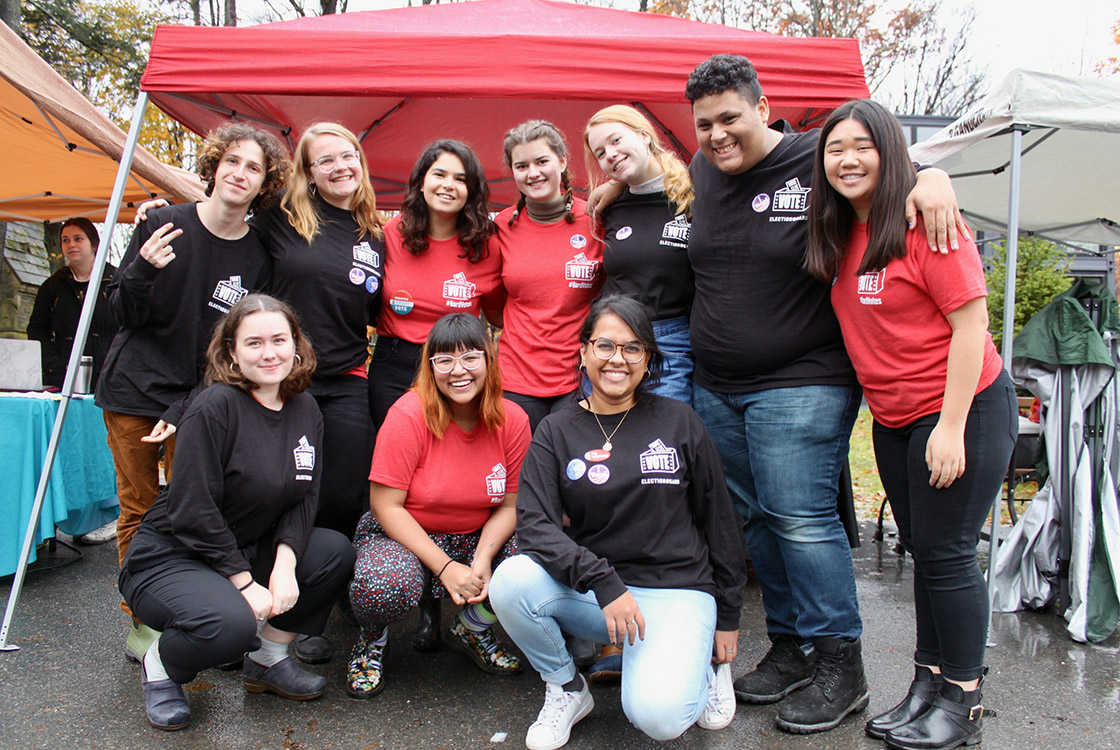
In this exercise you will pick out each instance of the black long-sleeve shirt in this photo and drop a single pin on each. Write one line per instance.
(54, 321)
(168, 314)
(333, 282)
(655, 514)
(242, 472)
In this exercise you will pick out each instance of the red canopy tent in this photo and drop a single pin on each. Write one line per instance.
(404, 77)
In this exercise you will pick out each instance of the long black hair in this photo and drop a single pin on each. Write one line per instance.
(831, 215)
(474, 224)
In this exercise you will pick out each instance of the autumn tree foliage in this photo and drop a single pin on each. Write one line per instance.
(1111, 66)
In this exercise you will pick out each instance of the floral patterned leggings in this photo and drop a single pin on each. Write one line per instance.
(389, 580)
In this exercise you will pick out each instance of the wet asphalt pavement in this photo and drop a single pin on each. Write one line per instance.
(69, 685)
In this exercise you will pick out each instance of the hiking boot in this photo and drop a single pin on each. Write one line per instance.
(484, 650)
(559, 714)
(917, 700)
(720, 711)
(784, 669)
(365, 676)
(837, 689)
(954, 718)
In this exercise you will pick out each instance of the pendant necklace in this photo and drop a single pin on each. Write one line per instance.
(607, 438)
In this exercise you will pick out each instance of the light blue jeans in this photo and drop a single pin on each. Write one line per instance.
(676, 374)
(664, 677)
(782, 452)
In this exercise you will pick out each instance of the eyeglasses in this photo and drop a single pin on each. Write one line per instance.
(330, 162)
(471, 360)
(632, 351)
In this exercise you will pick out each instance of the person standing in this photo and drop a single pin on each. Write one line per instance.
(775, 388)
(185, 267)
(58, 305)
(916, 326)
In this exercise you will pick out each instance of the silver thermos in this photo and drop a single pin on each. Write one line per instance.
(84, 380)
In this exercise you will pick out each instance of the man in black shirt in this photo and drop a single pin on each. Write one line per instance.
(775, 388)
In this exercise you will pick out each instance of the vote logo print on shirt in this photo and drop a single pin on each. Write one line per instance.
(227, 293)
(580, 271)
(496, 484)
(458, 292)
(305, 458)
(660, 459)
(871, 284)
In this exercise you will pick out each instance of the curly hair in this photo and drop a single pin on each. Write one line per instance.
(219, 362)
(450, 334)
(474, 224)
(540, 130)
(721, 73)
(300, 208)
(678, 183)
(220, 140)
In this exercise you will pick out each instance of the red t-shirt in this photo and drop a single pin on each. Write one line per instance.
(453, 483)
(418, 290)
(551, 273)
(895, 326)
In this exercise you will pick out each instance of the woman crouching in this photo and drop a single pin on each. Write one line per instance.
(227, 560)
(443, 490)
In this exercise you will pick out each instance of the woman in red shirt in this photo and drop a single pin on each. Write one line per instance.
(915, 325)
(551, 271)
(440, 259)
(443, 489)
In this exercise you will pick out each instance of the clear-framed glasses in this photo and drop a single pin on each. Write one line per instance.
(632, 351)
(330, 162)
(471, 360)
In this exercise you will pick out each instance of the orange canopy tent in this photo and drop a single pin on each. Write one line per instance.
(60, 153)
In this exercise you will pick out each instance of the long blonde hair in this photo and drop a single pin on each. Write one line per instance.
(297, 204)
(678, 184)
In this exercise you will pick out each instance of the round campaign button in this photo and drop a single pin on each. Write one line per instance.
(578, 241)
(598, 474)
(373, 283)
(357, 276)
(623, 233)
(576, 468)
(401, 303)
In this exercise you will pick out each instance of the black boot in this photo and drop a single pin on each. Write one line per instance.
(837, 689)
(426, 637)
(922, 691)
(785, 668)
(955, 717)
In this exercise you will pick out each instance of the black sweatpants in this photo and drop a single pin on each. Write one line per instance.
(941, 527)
(347, 451)
(204, 619)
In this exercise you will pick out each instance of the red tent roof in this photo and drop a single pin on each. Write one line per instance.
(404, 77)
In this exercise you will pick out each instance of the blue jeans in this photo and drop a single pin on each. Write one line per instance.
(664, 677)
(782, 451)
(676, 373)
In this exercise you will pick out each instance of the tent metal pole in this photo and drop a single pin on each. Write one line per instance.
(1008, 330)
(80, 335)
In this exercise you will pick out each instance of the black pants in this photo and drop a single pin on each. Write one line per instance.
(347, 451)
(538, 407)
(392, 368)
(941, 527)
(204, 619)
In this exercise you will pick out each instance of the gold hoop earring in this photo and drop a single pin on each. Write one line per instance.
(299, 359)
(233, 368)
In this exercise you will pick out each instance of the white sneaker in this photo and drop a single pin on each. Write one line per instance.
(721, 700)
(101, 534)
(559, 714)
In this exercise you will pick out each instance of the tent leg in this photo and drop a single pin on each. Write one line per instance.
(1012, 244)
(125, 165)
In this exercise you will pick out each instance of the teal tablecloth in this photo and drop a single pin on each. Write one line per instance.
(82, 492)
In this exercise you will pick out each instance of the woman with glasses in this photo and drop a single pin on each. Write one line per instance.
(440, 260)
(651, 559)
(443, 489)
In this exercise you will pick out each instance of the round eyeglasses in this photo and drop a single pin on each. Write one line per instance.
(330, 162)
(632, 351)
(471, 360)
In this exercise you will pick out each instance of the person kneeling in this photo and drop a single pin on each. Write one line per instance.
(443, 490)
(227, 561)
